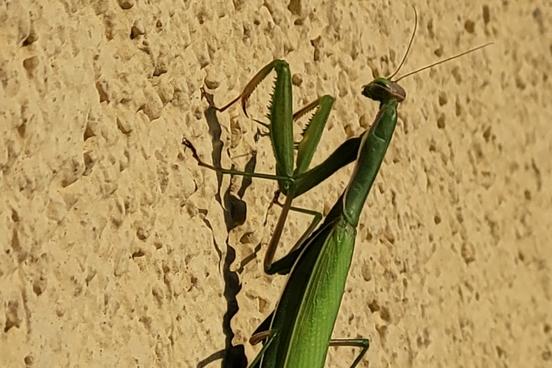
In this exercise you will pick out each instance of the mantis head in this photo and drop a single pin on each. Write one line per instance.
(382, 90)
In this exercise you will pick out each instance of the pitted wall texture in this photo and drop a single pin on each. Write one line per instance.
(117, 250)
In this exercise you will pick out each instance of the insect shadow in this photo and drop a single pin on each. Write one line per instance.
(235, 213)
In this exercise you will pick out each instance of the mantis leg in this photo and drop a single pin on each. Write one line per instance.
(269, 336)
(281, 134)
(283, 265)
(312, 132)
(232, 357)
(281, 120)
(305, 152)
(343, 155)
(316, 218)
(280, 113)
(360, 343)
(248, 89)
(202, 163)
(237, 354)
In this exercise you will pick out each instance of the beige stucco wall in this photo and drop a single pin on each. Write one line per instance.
(114, 251)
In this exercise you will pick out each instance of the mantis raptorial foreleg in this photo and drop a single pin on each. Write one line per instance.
(293, 179)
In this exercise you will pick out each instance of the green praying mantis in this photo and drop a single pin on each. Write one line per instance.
(298, 332)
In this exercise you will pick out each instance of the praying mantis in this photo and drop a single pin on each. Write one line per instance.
(298, 332)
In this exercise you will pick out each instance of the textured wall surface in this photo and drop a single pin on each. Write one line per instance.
(117, 250)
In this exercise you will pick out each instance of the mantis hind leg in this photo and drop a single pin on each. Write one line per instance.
(233, 357)
(269, 337)
(283, 265)
(364, 344)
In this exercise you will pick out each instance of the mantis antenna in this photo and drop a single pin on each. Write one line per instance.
(430, 65)
(443, 61)
(409, 44)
